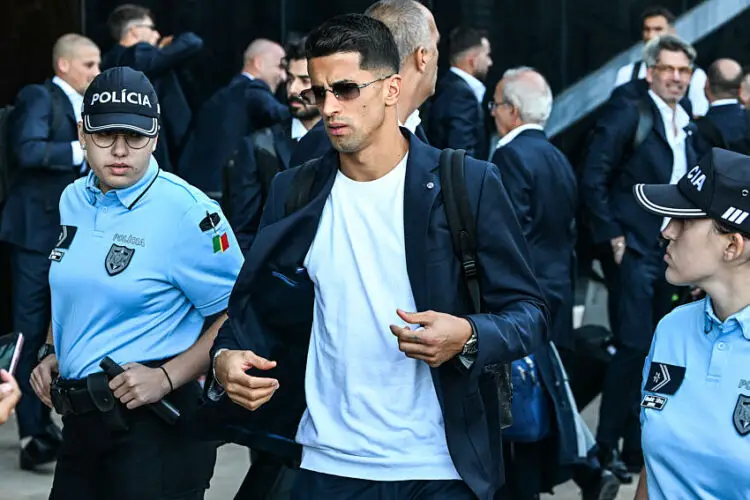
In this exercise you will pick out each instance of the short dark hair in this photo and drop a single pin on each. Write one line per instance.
(357, 33)
(295, 49)
(723, 86)
(658, 11)
(463, 38)
(122, 16)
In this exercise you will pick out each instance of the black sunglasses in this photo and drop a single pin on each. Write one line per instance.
(343, 91)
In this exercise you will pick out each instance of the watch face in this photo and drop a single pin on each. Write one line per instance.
(44, 351)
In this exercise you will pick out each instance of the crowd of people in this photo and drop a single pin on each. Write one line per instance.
(322, 279)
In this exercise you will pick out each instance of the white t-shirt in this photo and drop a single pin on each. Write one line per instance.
(372, 413)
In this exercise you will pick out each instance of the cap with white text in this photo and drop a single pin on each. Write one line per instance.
(121, 99)
(718, 188)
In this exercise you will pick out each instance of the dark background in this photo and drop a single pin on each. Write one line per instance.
(564, 39)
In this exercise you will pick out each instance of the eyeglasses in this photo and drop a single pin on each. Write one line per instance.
(682, 70)
(492, 105)
(107, 139)
(343, 91)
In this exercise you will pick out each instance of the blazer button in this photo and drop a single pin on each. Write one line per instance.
(430, 185)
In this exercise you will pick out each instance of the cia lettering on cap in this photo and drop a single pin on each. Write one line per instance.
(123, 96)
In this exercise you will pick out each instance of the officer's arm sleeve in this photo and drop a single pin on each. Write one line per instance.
(518, 182)
(29, 133)
(609, 144)
(515, 323)
(154, 62)
(462, 122)
(205, 258)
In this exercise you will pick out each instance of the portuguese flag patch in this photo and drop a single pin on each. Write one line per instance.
(221, 242)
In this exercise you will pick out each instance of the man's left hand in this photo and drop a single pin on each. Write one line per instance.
(139, 385)
(441, 337)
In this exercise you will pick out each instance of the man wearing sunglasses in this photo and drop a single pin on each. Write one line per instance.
(351, 317)
(416, 34)
(141, 47)
(141, 273)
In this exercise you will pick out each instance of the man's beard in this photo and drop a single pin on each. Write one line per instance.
(306, 112)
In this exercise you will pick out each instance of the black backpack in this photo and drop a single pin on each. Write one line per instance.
(463, 233)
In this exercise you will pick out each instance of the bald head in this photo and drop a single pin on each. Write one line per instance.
(76, 60)
(724, 78)
(265, 60)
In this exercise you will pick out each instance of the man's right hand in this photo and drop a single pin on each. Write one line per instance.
(618, 248)
(41, 378)
(248, 392)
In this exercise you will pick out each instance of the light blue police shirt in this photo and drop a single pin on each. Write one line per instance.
(695, 408)
(136, 271)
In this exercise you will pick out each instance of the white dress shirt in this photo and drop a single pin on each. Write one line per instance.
(76, 100)
(724, 102)
(412, 122)
(696, 93)
(505, 140)
(298, 130)
(476, 86)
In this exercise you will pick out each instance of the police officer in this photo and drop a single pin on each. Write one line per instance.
(141, 273)
(695, 406)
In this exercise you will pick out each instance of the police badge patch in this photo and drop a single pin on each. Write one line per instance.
(118, 259)
(742, 415)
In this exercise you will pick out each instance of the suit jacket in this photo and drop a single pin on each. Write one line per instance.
(316, 143)
(251, 174)
(541, 186)
(230, 114)
(612, 169)
(457, 118)
(160, 66)
(44, 162)
(271, 307)
(729, 120)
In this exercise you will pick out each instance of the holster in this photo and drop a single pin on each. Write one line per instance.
(105, 401)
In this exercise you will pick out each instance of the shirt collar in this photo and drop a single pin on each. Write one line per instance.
(412, 122)
(681, 118)
(298, 129)
(724, 102)
(65, 86)
(127, 196)
(476, 86)
(248, 75)
(739, 319)
(505, 140)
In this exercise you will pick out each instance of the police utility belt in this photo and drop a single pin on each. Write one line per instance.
(80, 397)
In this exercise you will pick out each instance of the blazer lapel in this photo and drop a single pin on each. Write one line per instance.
(421, 188)
(62, 99)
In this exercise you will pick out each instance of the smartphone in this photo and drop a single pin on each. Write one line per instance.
(10, 351)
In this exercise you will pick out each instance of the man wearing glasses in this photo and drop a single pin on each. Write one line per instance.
(141, 274)
(141, 47)
(351, 318)
(643, 141)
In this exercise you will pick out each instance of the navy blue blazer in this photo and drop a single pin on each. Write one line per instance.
(612, 169)
(44, 161)
(271, 306)
(247, 194)
(232, 113)
(316, 143)
(729, 120)
(541, 186)
(159, 66)
(457, 118)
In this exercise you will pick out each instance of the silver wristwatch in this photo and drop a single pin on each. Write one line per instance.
(470, 347)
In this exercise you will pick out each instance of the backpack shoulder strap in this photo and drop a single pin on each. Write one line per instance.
(460, 218)
(301, 188)
(57, 112)
(636, 70)
(645, 122)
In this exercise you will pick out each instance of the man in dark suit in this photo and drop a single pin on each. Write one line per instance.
(235, 111)
(269, 150)
(416, 34)
(614, 165)
(456, 114)
(141, 47)
(726, 121)
(381, 410)
(43, 138)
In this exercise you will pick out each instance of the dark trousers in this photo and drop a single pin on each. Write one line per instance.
(31, 316)
(644, 298)
(151, 460)
(317, 486)
(267, 479)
